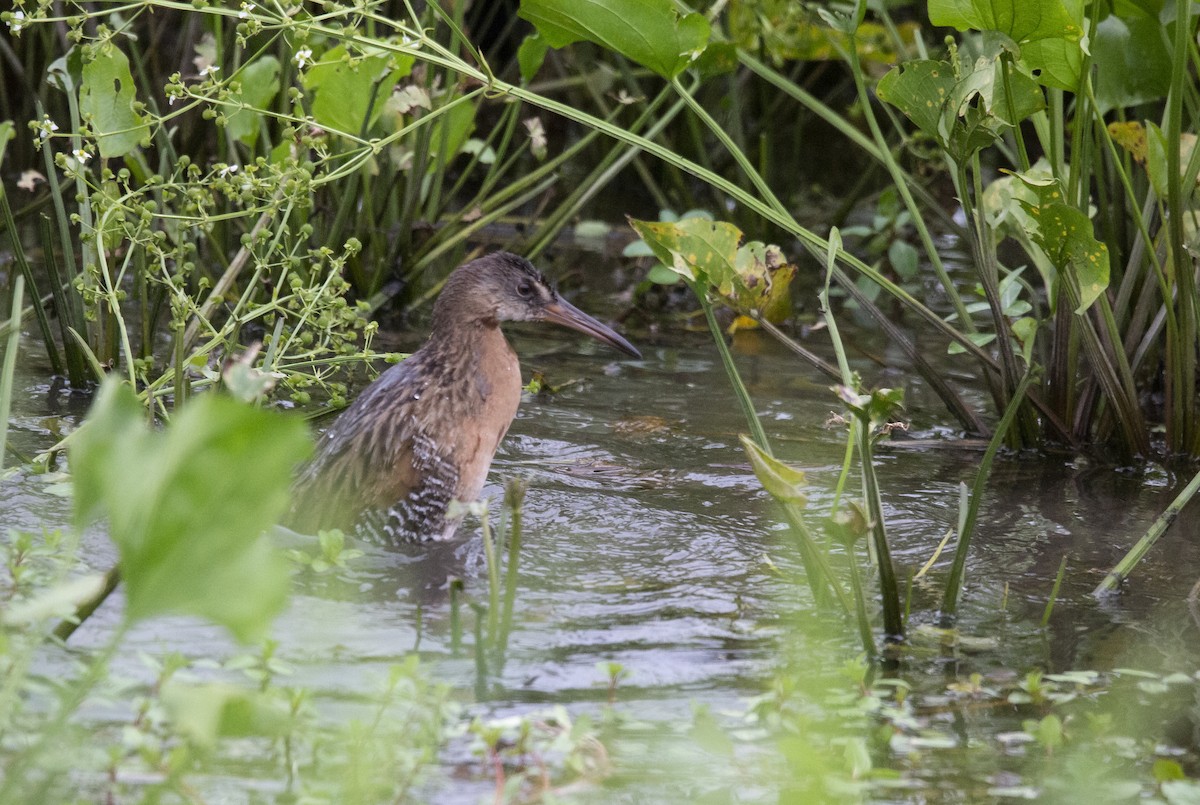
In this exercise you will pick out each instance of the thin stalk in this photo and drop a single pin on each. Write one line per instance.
(514, 497)
(1058, 580)
(1182, 433)
(456, 592)
(10, 363)
(967, 524)
(889, 592)
(493, 571)
(68, 626)
(739, 388)
(65, 307)
(1122, 569)
(902, 187)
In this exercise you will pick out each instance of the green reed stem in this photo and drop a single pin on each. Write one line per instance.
(1058, 580)
(967, 526)
(514, 498)
(1122, 569)
(493, 571)
(10, 362)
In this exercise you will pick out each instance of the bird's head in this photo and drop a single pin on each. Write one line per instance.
(504, 287)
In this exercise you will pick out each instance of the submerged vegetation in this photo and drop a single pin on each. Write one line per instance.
(232, 195)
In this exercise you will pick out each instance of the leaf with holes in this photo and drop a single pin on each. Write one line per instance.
(107, 100)
(696, 249)
(1048, 32)
(1067, 238)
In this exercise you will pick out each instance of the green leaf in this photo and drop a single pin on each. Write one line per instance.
(530, 56)
(106, 99)
(661, 275)
(1133, 64)
(255, 86)
(1048, 731)
(648, 32)
(920, 90)
(1048, 32)
(187, 507)
(694, 248)
(205, 713)
(1066, 236)
(786, 484)
(350, 92)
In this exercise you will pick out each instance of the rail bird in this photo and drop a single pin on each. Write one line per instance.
(425, 431)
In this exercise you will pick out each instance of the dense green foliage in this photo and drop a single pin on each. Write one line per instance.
(203, 180)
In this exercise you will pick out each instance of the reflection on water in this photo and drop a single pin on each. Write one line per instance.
(648, 542)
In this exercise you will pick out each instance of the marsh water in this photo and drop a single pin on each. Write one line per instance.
(648, 542)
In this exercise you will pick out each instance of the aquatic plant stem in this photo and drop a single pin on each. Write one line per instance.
(10, 363)
(514, 498)
(735, 379)
(816, 563)
(493, 571)
(862, 432)
(68, 626)
(967, 527)
(1122, 569)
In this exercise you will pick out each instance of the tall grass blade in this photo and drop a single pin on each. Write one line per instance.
(18, 250)
(967, 523)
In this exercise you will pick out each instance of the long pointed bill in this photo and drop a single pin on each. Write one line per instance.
(560, 311)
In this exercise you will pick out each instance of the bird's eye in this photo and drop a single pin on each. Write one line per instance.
(525, 288)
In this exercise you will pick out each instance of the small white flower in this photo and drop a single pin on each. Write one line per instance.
(227, 171)
(47, 127)
(209, 69)
(303, 56)
(15, 25)
(246, 9)
(81, 155)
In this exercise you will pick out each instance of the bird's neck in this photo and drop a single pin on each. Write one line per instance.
(468, 344)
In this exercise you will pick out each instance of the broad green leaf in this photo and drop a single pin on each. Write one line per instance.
(696, 249)
(648, 32)
(920, 89)
(208, 712)
(187, 507)
(530, 56)
(106, 99)
(783, 482)
(1066, 236)
(1048, 32)
(255, 85)
(351, 92)
(1020, 20)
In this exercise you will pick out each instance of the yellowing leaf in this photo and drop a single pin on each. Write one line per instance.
(782, 481)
